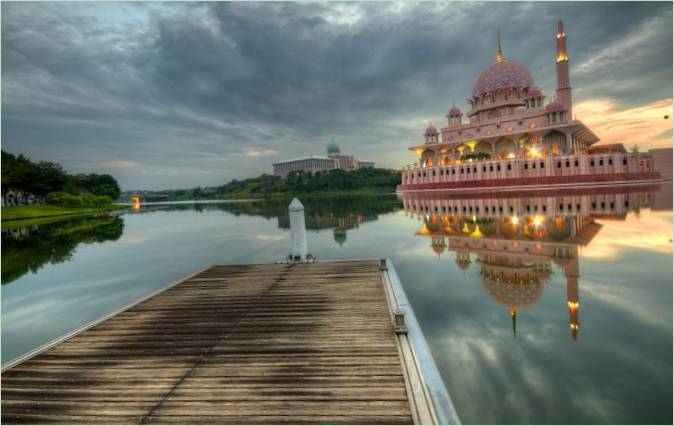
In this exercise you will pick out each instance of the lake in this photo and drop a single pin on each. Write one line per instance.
(554, 307)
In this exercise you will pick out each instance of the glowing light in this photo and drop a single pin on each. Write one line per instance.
(562, 58)
(573, 305)
(424, 230)
(574, 327)
(534, 152)
(538, 220)
(514, 220)
(471, 145)
(511, 155)
(533, 125)
(136, 203)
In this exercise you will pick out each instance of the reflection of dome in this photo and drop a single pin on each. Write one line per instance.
(509, 229)
(333, 148)
(339, 236)
(463, 260)
(438, 249)
(488, 227)
(454, 111)
(554, 106)
(514, 295)
(502, 75)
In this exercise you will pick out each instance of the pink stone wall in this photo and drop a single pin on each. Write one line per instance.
(662, 161)
(524, 169)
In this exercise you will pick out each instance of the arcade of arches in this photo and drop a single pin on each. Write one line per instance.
(526, 145)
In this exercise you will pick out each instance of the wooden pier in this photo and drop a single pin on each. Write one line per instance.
(272, 344)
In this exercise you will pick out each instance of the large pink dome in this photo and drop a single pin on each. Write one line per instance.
(502, 75)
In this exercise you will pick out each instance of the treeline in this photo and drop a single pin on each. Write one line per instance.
(361, 180)
(49, 182)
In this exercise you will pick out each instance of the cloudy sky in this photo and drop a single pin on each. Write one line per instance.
(185, 94)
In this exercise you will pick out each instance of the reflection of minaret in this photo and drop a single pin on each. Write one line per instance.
(571, 273)
(513, 315)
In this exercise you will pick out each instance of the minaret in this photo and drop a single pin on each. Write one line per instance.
(563, 84)
(499, 52)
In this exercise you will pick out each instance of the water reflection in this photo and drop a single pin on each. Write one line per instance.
(337, 213)
(515, 241)
(28, 248)
(612, 250)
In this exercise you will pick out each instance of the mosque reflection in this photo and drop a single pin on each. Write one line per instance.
(515, 241)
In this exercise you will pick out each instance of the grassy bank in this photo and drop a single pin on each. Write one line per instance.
(11, 213)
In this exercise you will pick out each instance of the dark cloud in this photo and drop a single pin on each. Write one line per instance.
(182, 94)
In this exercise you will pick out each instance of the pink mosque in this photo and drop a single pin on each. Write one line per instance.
(514, 140)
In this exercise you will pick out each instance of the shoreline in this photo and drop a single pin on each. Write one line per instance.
(21, 213)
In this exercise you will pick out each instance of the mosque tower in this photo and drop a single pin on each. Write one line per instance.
(563, 84)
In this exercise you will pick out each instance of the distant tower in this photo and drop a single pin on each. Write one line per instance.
(431, 134)
(454, 116)
(563, 84)
(333, 148)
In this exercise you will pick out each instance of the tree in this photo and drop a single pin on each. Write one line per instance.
(635, 148)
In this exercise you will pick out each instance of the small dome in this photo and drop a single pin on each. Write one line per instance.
(333, 148)
(438, 249)
(535, 92)
(554, 106)
(463, 264)
(430, 130)
(454, 111)
(502, 75)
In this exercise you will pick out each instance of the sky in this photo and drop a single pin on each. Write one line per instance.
(178, 95)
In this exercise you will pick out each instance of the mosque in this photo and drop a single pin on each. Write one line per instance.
(334, 160)
(512, 138)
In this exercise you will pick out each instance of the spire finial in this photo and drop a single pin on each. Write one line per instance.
(499, 52)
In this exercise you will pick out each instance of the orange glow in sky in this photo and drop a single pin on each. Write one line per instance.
(644, 125)
(652, 231)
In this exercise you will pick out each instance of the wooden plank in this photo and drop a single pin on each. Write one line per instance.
(279, 343)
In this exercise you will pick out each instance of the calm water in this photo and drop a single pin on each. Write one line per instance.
(532, 316)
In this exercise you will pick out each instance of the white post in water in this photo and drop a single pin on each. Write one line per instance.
(298, 234)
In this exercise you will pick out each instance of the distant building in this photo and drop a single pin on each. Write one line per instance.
(334, 160)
